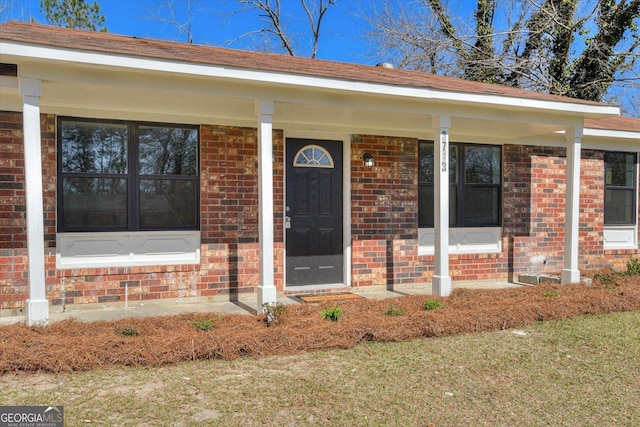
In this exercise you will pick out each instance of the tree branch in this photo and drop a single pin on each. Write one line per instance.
(272, 18)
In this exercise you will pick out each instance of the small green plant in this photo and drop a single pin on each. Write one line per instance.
(551, 294)
(273, 311)
(204, 325)
(432, 304)
(633, 267)
(331, 313)
(608, 280)
(392, 311)
(129, 331)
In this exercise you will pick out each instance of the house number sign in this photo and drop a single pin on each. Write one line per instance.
(443, 141)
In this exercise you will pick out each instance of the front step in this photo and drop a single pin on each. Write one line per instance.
(327, 297)
(538, 279)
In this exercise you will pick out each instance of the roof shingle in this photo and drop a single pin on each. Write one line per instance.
(620, 123)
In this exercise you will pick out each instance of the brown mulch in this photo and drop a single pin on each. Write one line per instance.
(78, 346)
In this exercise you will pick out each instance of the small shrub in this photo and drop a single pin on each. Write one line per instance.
(204, 325)
(392, 311)
(272, 311)
(129, 331)
(551, 294)
(633, 267)
(331, 313)
(608, 280)
(432, 304)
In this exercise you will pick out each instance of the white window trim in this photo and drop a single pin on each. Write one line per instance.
(623, 236)
(127, 249)
(463, 240)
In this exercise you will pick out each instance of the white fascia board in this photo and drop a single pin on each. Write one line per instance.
(30, 51)
(613, 134)
(612, 140)
(605, 139)
(609, 144)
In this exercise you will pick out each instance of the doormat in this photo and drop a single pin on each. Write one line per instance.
(324, 298)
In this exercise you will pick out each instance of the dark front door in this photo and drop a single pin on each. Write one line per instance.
(314, 212)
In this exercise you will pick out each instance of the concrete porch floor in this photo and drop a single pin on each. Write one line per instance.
(245, 303)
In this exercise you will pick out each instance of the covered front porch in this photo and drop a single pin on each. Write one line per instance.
(265, 105)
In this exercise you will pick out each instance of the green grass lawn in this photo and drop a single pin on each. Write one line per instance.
(579, 372)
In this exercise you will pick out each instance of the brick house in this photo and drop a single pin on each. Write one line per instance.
(167, 170)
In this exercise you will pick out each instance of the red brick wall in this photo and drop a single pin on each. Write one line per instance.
(384, 198)
(534, 203)
(384, 206)
(369, 262)
(13, 235)
(592, 254)
(229, 200)
(13, 281)
(49, 180)
(229, 185)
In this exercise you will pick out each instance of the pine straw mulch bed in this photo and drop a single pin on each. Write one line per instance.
(78, 346)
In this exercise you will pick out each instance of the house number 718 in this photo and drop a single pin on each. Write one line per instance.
(443, 140)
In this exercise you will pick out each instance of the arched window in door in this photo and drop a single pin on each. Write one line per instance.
(313, 156)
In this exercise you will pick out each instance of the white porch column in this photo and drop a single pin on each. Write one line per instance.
(266, 289)
(570, 272)
(37, 309)
(441, 284)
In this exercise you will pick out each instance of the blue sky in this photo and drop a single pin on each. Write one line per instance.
(217, 22)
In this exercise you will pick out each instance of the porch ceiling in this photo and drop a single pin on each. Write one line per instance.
(102, 92)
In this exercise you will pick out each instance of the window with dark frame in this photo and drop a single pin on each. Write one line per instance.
(620, 188)
(475, 185)
(127, 176)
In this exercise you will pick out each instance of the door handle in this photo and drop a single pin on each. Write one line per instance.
(287, 222)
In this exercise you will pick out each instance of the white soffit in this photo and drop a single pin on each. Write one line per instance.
(40, 53)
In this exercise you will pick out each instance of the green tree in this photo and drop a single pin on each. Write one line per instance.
(74, 14)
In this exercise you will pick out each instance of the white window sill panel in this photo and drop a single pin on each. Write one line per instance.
(621, 237)
(484, 240)
(127, 249)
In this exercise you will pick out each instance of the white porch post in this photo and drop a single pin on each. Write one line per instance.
(441, 284)
(570, 272)
(266, 289)
(37, 306)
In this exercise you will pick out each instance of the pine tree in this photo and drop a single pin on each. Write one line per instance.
(74, 14)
